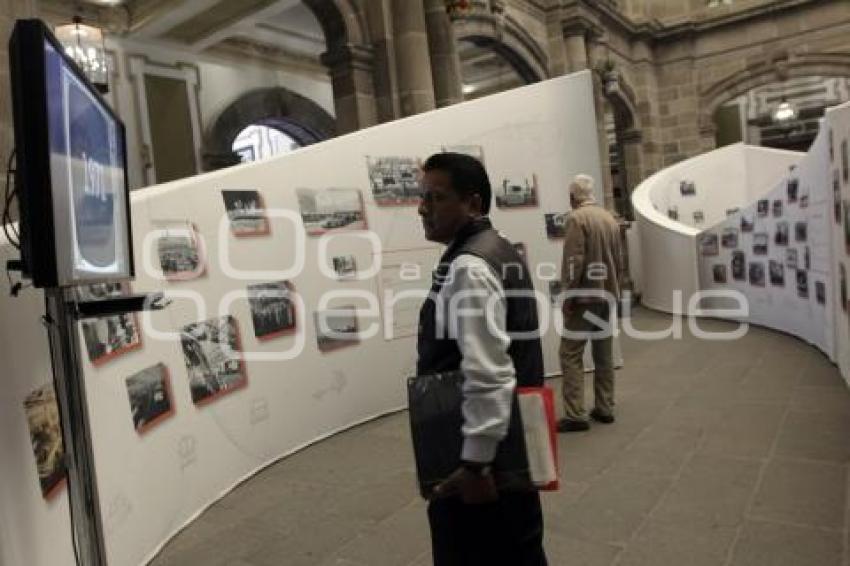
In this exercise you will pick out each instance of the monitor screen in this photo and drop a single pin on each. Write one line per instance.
(71, 168)
(87, 177)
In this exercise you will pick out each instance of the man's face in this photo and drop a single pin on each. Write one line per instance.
(444, 212)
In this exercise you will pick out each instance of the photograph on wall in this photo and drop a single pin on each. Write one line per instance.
(108, 337)
(804, 200)
(756, 274)
(719, 273)
(555, 224)
(831, 146)
(763, 207)
(793, 189)
(803, 283)
(673, 213)
(820, 292)
(842, 287)
(747, 223)
(331, 210)
(732, 211)
(739, 265)
(777, 273)
(394, 180)
(845, 161)
(780, 237)
(699, 217)
(708, 244)
(760, 243)
(211, 350)
(807, 257)
(180, 254)
(555, 289)
(729, 238)
(836, 196)
(801, 231)
(777, 208)
(46, 437)
(847, 226)
(336, 328)
(475, 151)
(272, 309)
(246, 212)
(687, 188)
(345, 266)
(515, 193)
(150, 397)
(791, 258)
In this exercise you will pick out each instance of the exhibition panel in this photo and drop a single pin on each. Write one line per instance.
(295, 285)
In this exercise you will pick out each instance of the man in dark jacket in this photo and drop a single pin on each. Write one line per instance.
(473, 523)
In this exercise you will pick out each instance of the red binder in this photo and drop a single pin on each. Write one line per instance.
(537, 407)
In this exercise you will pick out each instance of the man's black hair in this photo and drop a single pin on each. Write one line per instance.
(467, 175)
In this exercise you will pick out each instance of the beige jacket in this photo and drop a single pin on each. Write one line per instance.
(592, 250)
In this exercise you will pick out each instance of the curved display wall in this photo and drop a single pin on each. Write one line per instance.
(262, 261)
(765, 229)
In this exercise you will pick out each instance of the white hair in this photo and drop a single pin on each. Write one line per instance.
(581, 189)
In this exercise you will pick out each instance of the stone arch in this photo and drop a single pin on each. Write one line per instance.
(341, 21)
(299, 117)
(766, 72)
(621, 98)
(508, 39)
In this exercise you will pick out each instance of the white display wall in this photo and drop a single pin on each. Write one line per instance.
(154, 481)
(838, 191)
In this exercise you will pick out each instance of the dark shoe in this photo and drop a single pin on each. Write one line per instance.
(601, 417)
(567, 425)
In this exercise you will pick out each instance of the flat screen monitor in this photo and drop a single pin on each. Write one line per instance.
(71, 168)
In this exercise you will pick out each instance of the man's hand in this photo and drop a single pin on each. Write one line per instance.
(474, 489)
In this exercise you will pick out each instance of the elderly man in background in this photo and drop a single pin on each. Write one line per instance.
(589, 279)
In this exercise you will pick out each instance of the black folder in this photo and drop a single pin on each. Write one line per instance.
(435, 424)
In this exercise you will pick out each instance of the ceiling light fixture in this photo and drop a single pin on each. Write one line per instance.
(85, 45)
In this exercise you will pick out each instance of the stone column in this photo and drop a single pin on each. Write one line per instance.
(576, 48)
(413, 64)
(379, 17)
(445, 62)
(352, 77)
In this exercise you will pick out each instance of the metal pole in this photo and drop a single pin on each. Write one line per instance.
(87, 522)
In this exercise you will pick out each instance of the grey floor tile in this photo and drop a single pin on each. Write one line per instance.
(660, 544)
(658, 451)
(564, 549)
(770, 544)
(815, 436)
(802, 492)
(821, 400)
(744, 431)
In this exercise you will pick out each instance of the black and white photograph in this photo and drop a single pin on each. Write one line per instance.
(807, 257)
(180, 254)
(793, 189)
(763, 207)
(836, 196)
(336, 328)
(345, 266)
(331, 210)
(212, 352)
(699, 217)
(46, 437)
(708, 244)
(719, 273)
(555, 289)
(802, 283)
(246, 212)
(150, 397)
(777, 273)
(847, 226)
(515, 193)
(272, 309)
(804, 200)
(555, 224)
(831, 146)
(777, 208)
(729, 239)
(760, 243)
(842, 287)
(673, 213)
(687, 188)
(731, 211)
(739, 265)
(756, 271)
(801, 231)
(845, 161)
(791, 258)
(820, 292)
(395, 180)
(108, 337)
(780, 236)
(475, 151)
(747, 223)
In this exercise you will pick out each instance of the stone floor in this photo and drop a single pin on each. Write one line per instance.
(723, 453)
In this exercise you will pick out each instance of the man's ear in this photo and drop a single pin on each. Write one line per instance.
(476, 203)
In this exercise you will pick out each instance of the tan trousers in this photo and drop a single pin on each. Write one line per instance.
(572, 363)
